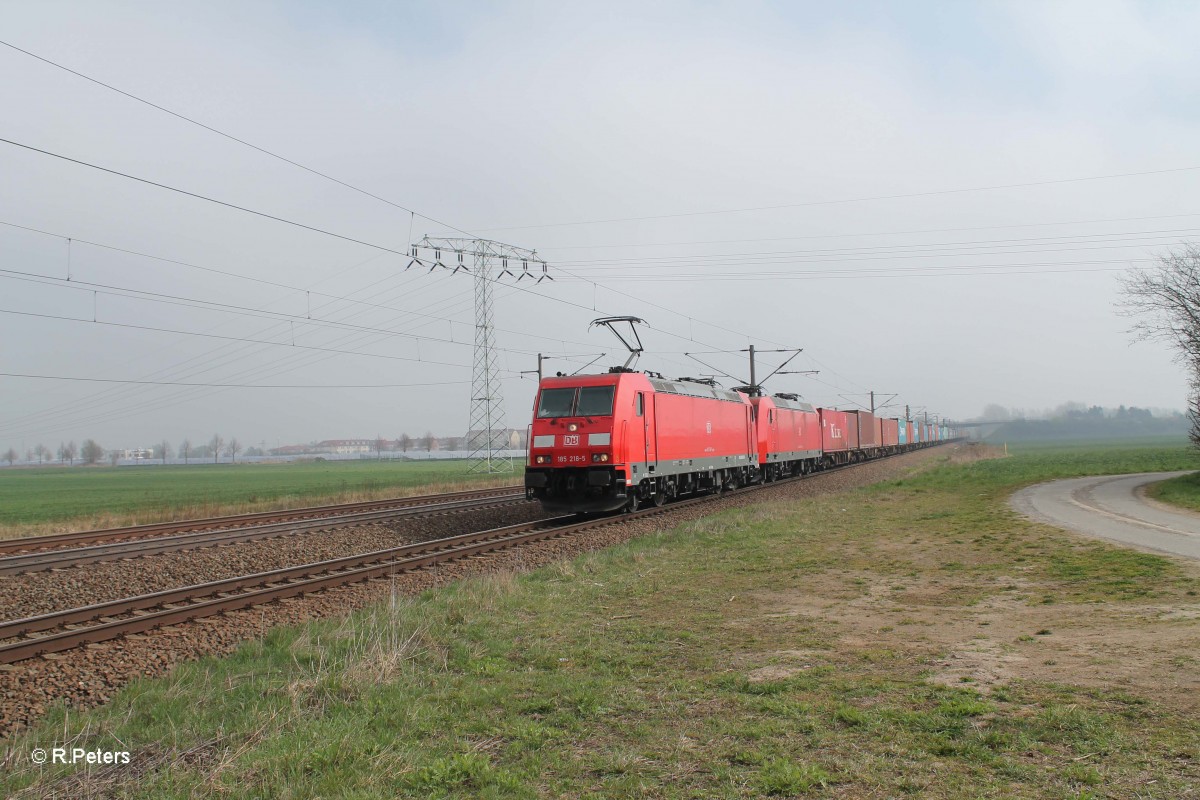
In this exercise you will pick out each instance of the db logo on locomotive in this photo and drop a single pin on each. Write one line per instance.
(571, 440)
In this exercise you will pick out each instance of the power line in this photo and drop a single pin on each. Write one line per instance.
(856, 234)
(297, 224)
(227, 308)
(903, 196)
(211, 357)
(263, 214)
(959, 270)
(925, 250)
(239, 276)
(149, 182)
(315, 229)
(229, 136)
(234, 385)
(227, 338)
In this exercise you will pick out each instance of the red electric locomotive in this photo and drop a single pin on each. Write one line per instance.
(788, 435)
(622, 439)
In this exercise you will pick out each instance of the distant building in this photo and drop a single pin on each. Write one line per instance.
(291, 450)
(346, 446)
(509, 438)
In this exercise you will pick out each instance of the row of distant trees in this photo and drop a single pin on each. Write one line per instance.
(1077, 421)
(428, 442)
(91, 452)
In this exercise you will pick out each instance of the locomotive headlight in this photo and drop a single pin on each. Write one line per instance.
(572, 427)
(541, 459)
(599, 457)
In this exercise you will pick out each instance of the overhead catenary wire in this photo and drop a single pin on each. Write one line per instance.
(280, 365)
(196, 364)
(256, 344)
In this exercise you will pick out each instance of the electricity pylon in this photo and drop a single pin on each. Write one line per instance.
(488, 433)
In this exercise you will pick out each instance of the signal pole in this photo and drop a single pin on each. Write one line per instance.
(488, 432)
(537, 371)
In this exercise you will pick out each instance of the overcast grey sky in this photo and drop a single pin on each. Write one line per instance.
(921, 195)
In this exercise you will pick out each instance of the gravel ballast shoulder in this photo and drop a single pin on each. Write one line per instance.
(37, 593)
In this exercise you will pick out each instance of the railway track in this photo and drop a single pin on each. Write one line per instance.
(55, 632)
(78, 538)
(50, 633)
(109, 551)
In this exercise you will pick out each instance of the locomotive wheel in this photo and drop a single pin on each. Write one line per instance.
(660, 498)
(631, 505)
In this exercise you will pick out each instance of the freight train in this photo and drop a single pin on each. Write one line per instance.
(625, 439)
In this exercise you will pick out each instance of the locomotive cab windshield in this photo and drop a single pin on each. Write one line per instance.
(580, 401)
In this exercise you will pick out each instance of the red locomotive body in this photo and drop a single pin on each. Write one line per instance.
(788, 436)
(605, 442)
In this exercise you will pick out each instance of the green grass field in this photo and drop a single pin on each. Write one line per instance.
(31, 498)
(1182, 491)
(787, 649)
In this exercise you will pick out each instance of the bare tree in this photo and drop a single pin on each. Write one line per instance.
(91, 451)
(10, 456)
(62, 452)
(431, 442)
(41, 452)
(215, 444)
(405, 442)
(233, 449)
(164, 450)
(185, 448)
(380, 443)
(1166, 302)
(71, 452)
